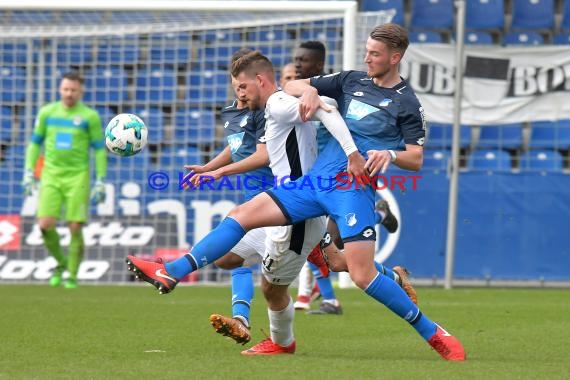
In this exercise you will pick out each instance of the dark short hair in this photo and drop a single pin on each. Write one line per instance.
(254, 62)
(393, 35)
(316, 46)
(72, 75)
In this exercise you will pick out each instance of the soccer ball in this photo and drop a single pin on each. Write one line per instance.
(126, 135)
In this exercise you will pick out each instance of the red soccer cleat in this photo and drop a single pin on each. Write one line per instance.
(447, 345)
(267, 347)
(152, 272)
(316, 257)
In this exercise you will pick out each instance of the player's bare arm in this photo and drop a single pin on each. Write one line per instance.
(409, 159)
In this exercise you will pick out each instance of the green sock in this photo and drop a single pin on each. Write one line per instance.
(75, 253)
(51, 242)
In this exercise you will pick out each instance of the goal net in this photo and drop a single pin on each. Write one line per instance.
(168, 63)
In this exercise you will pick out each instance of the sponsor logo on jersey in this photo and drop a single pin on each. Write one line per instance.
(235, 141)
(421, 141)
(226, 124)
(358, 93)
(358, 110)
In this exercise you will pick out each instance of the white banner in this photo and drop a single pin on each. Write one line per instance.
(501, 84)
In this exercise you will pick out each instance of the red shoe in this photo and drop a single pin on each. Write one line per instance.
(316, 258)
(152, 272)
(267, 347)
(447, 345)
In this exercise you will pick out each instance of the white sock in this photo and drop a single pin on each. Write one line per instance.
(281, 325)
(306, 281)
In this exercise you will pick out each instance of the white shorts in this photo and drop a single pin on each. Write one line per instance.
(251, 247)
(287, 249)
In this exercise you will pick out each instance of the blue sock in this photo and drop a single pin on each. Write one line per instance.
(242, 292)
(394, 298)
(385, 270)
(213, 246)
(325, 284)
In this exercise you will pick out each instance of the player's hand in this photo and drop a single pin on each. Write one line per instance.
(193, 179)
(309, 103)
(356, 168)
(378, 160)
(98, 192)
(29, 183)
(196, 168)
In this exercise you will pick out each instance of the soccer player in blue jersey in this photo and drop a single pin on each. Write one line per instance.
(383, 115)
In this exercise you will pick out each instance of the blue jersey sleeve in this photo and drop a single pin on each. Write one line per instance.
(411, 120)
(259, 122)
(329, 85)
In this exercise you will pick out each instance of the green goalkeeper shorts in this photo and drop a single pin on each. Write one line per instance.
(70, 191)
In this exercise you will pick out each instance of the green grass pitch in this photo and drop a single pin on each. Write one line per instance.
(130, 332)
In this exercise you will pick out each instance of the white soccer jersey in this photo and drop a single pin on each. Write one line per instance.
(285, 132)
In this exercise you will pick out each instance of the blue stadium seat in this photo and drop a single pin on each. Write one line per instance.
(33, 18)
(330, 35)
(169, 54)
(541, 160)
(436, 159)
(396, 6)
(492, 160)
(504, 136)
(478, 38)
(14, 53)
(6, 124)
(51, 83)
(175, 157)
(81, 18)
(425, 37)
(439, 136)
(523, 38)
(275, 34)
(565, 22)
(119, 51)
(485, 14)
(153, 118)
(73, 53)
(219, 56)
(194, 126)
(532, 14)
(278, 54)
(218, 36)
(550, 134)
(207, 87)
(432, 14)
(106, 86)
(12, 84)
(561, 38)
(156, 85)
(105, 113)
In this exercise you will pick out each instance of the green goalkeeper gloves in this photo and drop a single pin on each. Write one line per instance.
(29, 182)
(98, 192)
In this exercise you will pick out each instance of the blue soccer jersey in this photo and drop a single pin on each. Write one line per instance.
(378, 118)
(245, 129)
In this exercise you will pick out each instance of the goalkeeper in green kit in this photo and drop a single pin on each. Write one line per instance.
(67, 129)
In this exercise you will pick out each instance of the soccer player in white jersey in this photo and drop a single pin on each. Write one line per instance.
(352, 209)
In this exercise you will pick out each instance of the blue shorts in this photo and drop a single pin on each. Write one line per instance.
(351, 208)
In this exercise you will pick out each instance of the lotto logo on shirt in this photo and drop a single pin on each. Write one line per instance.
(9, 232)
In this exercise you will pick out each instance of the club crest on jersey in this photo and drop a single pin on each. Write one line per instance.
(350, 219)
(358, 110)
(385, 103)
(243, 121)
(235, 141)
(77, 121)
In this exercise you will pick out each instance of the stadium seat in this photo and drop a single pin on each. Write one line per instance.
(6, 124)
(561, 38)
(492, 160)
(217, 36)
(156, 85)
(194, 126)
(436, 159)
(541, 160)
(170, 48)
(485, 14)
(105, 113)
(208, 87)
(277, 34)
(118, 51)
(565, 21)
(523, 38)
(330, 35)
(13, 53)
(81, 18)
(532, 14)
(395, 6)
(33, 18)
(175, 157)
(278, 54)
(12, 84)
(425, 37)
(105, 86)
(73, 53)
(478, 38)
(432, 14)
(504, 136)
(153, 118)
(439, 136)
(550, 134)
(219, 56)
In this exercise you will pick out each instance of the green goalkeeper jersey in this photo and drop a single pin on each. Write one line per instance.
(67, 135)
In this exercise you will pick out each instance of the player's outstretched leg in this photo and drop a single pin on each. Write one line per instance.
(230, 327)
(153, 272)
(448, 346)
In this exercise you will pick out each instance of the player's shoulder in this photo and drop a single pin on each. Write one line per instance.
(406, 94)
(49, 108)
